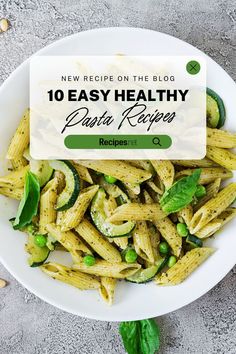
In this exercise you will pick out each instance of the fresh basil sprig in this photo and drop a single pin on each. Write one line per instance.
(28, 206)
(140, 337)
(181, 193)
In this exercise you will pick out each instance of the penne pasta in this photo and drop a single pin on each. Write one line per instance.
(221, 156)
(217, 223)
(165, 170)
(144, 164)
(154, 235)
(142, 242)
(221, 138)
(73, 216)
(20, 140)
(70, 276)
(213, 208)
(208, 175)
(137, 211)
(60, 181)
(70, 241)
(18, 163)
(47, 212)
(106, 269)
(121, 242)
(168, 231)
(211, 190)
(155, 188)
(107, 289)
(15, 179)
(185, 215)
(14, 193)
(83, 173)
(185, 266)
(98, 242)
(118, 169)
(195, 163)
(132, 187)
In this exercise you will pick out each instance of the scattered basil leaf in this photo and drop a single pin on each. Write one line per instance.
(28, 206)
(140, 337)
(150, 335)
(181, 193)
(129, 332)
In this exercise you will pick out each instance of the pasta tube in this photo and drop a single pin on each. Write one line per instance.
(195, 163)
(106, 269)
(217, 223)
(211, 190)
(83, 172)
(107, 289)
(16, 179)
(20, 140)
(118, 169)
(18, 163)
(208, 175)
(73, 216)
(213, 208)
(165, 170)
(70, 276)
(169, 233)
(144, 164)
(142, 242)
(137, 211)
(14, 193)
(47, 212)
(99, 243)
(221, 156)
(221, 138)
(184, 267)
(186, 214)
(70, 241)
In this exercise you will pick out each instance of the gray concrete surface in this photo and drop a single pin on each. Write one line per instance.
(27, 324)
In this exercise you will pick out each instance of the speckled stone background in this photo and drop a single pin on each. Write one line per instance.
(29, 325)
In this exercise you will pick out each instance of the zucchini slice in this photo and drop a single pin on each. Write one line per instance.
(98, 215)
(145, 275)
(40, 168)
(38, 255)
(70, 193)
(194, 241)
(215, 110)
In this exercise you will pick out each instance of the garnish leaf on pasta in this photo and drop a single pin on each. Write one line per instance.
(181, 193)
(28, 206)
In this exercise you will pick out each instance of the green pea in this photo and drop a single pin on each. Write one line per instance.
(110, 179)
(89, 260)
(130, 256)
(200, 191)
(182, 229)
(171, 261)
(164, 247)
(40, 240)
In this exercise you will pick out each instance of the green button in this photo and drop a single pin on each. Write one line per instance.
(117, 142)
(193, 67)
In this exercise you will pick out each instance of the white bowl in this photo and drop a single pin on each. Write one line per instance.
(132, 302)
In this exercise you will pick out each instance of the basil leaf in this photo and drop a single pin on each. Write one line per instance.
(180, 194)
(150, 334)
(129, 332)
(28, 206)
(140, 337)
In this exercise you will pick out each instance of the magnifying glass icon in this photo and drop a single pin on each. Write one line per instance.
(156, 141)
